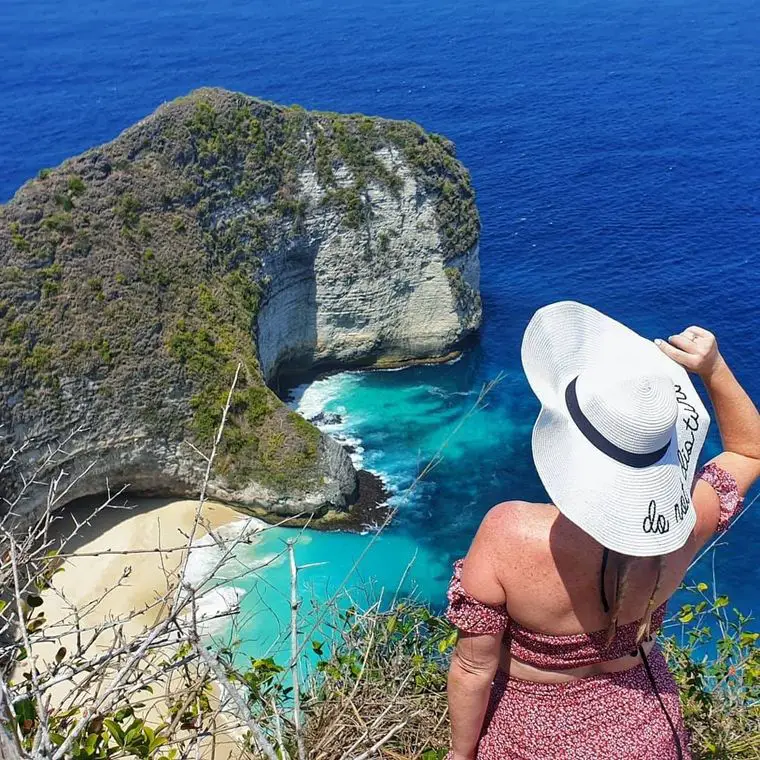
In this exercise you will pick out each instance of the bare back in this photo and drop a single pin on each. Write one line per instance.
(549, 571)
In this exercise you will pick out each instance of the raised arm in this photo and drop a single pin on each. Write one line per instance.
(737, 416)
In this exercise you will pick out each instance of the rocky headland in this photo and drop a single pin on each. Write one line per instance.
(222, 230)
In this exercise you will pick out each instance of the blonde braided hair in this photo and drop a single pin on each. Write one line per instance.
(623, 565)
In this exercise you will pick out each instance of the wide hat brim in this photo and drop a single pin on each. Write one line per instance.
(639, 511)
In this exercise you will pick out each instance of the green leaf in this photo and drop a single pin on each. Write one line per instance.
(33, 600)
(123, 714)
(135, 730)
(721, 601)
(115, 730)
(25, 710)
(686, 617)
(702, 587)
(60, 654)
(434, 754)
(445, 644)
(67, 713)
(156, 742)
(34, 625)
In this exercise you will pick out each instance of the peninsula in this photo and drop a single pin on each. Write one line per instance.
(220, 231)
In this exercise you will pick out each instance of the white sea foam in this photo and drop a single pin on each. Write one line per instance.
(215, 606)
(211, 562)
(295, 395)
(311, 401)
(322, 399)
(355, 448)
(440, 392)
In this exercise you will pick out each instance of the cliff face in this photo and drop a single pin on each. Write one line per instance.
(223, 230)
(384, 292)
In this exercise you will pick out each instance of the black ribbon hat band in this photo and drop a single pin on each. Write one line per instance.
(603, 444)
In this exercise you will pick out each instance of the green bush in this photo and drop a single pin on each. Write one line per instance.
(18, 240)
(143, 230)
(82, 243)
(104, 350)
(76, 185)
(349, 201)
(127, 210)
(61, 221)
(715, 657)
(64, 201)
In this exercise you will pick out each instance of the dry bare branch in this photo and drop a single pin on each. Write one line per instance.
(294, 649)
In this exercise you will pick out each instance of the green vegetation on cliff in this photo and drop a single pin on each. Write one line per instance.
(134, 272)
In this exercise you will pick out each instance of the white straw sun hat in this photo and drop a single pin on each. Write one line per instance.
(620, 429)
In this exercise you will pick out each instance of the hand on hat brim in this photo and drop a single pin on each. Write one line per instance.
(695, 349)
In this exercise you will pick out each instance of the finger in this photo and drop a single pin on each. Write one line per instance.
(682, 341)
(681, 357)
(699, 331)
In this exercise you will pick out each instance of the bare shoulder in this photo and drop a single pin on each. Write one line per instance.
(515, 520)
(510, 535)
(483, 569)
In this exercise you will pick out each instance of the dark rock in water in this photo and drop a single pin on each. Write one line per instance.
(326, 418)
(369, 509)
(371, 506)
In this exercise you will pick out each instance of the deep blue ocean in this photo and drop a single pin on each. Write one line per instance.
(613, 145)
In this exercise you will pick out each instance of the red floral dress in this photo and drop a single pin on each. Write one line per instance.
(612, 716)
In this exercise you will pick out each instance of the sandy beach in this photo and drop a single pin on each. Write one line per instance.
(104, 584)
(114, 585)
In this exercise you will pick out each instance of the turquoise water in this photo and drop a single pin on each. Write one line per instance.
(339, 570)
(395, 427)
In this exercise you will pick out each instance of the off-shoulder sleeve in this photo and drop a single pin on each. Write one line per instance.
(470, 615)
(724, 484)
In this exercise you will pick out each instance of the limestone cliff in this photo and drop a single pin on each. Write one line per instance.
(222, 230)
